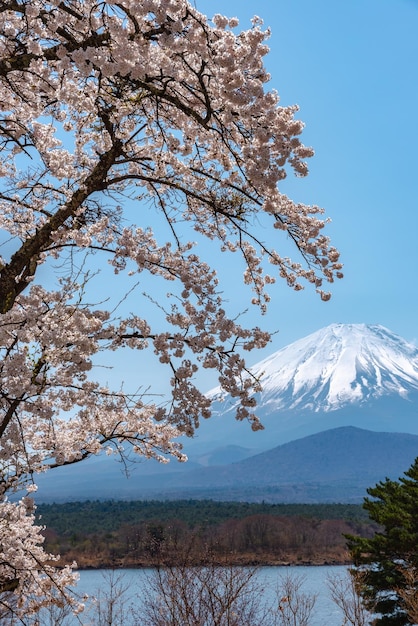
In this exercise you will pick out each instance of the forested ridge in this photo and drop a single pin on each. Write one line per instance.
(139, 533)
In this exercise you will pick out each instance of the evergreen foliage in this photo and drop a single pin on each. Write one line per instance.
(385, 560)
(95, 516)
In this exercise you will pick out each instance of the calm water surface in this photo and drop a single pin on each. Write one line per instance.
(325, 612)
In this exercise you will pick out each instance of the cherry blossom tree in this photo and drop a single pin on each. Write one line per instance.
(109, 111)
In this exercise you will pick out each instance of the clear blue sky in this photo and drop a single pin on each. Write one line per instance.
(351, 67)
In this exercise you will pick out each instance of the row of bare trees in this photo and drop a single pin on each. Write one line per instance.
(209, 595)
(214, 595)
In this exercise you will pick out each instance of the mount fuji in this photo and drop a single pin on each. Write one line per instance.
(323, 396)
(338, 366)
(342, 375)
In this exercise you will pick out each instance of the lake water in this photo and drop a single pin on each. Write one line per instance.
(325, 612)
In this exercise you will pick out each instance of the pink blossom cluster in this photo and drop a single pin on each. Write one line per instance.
(105, 109)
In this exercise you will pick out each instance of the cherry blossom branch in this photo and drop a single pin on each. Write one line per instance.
(105, 106)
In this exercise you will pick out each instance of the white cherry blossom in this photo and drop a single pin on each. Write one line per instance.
(105, 108)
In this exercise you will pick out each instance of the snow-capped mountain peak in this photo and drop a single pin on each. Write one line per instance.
(339, 365)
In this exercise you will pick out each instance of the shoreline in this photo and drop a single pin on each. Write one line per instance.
(221, 562)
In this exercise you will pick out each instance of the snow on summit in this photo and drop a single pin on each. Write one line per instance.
(339, 365)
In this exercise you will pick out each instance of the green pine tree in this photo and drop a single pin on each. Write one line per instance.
(382, 563)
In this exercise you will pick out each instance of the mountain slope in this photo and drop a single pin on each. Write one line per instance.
(344, 453)
(333, 466)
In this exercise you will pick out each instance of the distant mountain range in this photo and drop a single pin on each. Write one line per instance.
(334, 406)
(333, 466)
